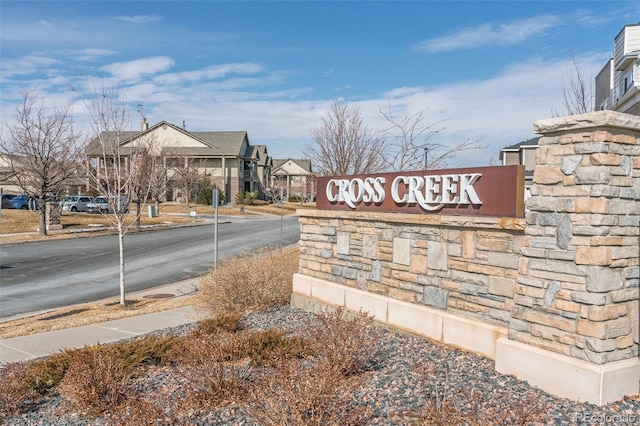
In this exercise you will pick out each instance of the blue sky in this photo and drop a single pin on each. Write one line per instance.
(485, 70)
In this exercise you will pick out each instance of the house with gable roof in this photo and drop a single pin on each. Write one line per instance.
(226, 157)
(522, 153)
(293, 177)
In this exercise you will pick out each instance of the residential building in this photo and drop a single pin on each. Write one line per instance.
(617, 85)
(523, 153)
(227, 158)
(293, 177)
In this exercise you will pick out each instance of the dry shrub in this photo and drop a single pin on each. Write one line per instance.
(215, 368)
(297, 393)
(228, 322)
(17, 393)
(271, 345)
(149, 350)
(253, 281)
(345, 341)
(318, 390)
(46, 373)
(137, 410)
(95, 380)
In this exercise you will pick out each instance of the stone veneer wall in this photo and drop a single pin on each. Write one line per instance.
(553, 298)
(577, 286)
(459, 264)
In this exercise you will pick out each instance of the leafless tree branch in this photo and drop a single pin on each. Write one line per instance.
(42, 148)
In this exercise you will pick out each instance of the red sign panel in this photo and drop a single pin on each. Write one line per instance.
(478, 191)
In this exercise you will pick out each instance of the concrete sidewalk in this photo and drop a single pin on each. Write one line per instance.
(43, 344)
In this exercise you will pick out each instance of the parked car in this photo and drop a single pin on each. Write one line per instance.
(101, 205)
(76, 203)
(23, 202)
(6, 201)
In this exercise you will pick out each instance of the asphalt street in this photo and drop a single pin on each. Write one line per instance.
(51, 274)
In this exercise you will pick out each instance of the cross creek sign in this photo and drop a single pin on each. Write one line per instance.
(479, 191)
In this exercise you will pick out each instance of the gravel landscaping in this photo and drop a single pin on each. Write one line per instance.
(410, 380)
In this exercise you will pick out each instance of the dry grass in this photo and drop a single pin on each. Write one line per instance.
(21, 221)
(85, 314)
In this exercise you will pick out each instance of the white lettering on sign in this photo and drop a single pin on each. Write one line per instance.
(430, 192)
(355, 191)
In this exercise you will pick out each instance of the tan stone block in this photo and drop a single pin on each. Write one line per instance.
(450, 285)
(607, 312)
(560, 151)
(603, 159)
(565, 205)
(418, 264)
(547, 175)
(541, 155)
(405, 276)
(635, 162)
(624, 342)
(378, 289)
(458, 265)
(624, 138)
(494, 244)
(606, 241)
(558, 322)
(388, 282)
(621, 181)
(485, 270)
(625, 295)
(604, 329)
(571, 191)
(565, 306)
(593, 205)
(568, 138)
(593, 255)
(536, 293)
(602, 136)
(421, 245)
(501, 286)
(404, 295)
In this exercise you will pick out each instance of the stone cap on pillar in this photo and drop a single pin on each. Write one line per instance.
(606, 118)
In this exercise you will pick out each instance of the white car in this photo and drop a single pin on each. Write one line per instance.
(101, 205)
(76, 203)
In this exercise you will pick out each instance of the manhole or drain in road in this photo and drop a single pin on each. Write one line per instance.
(159, 296)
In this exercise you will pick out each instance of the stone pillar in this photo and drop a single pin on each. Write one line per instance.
(574, 327)
(52, 216)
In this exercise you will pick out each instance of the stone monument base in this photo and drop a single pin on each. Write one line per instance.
(568, 377)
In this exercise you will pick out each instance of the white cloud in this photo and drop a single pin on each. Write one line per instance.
(489, 34)
(498, 111)
(26, 65)
(209, 73)
(91, 55)
(140, 19)
(133, 70)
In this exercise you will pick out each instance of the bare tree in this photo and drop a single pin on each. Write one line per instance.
(577, 94)
(42, 148)
(116, 163)
(343, 145)
(158, 177)
(409, 145)
(186, 175)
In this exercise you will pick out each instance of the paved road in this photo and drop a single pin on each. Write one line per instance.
(51, 274)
